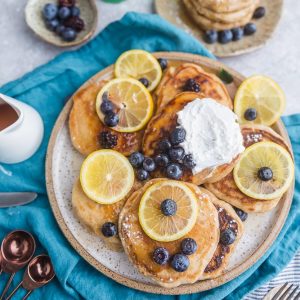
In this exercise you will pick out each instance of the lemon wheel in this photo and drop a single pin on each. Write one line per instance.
(154, 221)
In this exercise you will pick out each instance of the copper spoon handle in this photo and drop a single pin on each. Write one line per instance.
(27, 295)
(11, 277)
(14, 291)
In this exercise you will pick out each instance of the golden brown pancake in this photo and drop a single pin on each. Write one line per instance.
(160, 127)
(174, 80)
(226, 188)
(85, 126)
(139, 247)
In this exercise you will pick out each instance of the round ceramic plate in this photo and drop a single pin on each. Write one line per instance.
(62, 168)
(175, 12)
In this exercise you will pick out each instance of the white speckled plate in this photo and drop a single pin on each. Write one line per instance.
(62, 168)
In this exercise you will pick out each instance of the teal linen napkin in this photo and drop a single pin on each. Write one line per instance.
(47, 88)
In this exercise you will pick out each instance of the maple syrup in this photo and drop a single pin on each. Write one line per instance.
(8, 115)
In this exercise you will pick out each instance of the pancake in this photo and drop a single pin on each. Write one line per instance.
(93, 215)
(226, 188)
(160, 127)
(174, 80)
(85, 126)
(139, 247)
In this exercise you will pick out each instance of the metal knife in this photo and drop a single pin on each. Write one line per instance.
(15, 199)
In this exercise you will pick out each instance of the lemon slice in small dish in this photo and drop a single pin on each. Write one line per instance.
(165, 228)
(264, 96)
(139, 64)
(265, 171)
(106, 176)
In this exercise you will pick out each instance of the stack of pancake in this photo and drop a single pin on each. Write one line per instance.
(221, 14)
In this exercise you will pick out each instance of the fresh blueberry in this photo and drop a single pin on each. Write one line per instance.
(106, 107)
(144, 81)
(75, 11)
(225, 36)
(227, 237)
(64, 13)
(59, 29)
(237, 33)
(109, 229)
(163, 63)
(265, 174)
(142, 174)
(250, 114)
(188, 161)
(149, 164)
(164, 145)
(52, 24)
(136, 159)
(211, 36)
(180, 262)
(188, 246)
(168, 207)
(161, 255)
(177, 135)
(69, 34)
(176, 154)
(50, 11)
(191, 85)
(174, 171)
(259, 12)
(242, 214)
(111, 119)
(161, 160)
(249, 29)
(105, 96)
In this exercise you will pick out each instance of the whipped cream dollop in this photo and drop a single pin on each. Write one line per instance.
(213, 135)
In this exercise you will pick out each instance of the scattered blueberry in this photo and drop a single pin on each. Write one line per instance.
(191, 85)
(225, 36)
(75, 11)
(136, 159)
(111, 119)
(237, 33)
(176, 154)
(188, 246)
(142, 174)
(250, 114)
(180, 262)
(211, 36)
(164, 145)
(105, 96)
(149, 164)
(64, 13)
(109, 229)
(106, 107)
(249, 29)
(168, 207)
(227, 237)
(188, 161)
(242, 214)
(50, 11)
(174, 171)
(265, 174)
(163, 63)
(177, 135)
(59, 29)
(161, 160)
(161, 255)
(259, 12)
(52, 24)
(69, 34)
(144, 81)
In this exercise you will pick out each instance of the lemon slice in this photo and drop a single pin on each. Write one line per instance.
(132, 102)
(106, 176)
(264, 95)
(139, 64)
(247, 172)
(164, 228)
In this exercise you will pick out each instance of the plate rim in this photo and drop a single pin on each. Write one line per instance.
(198, 286)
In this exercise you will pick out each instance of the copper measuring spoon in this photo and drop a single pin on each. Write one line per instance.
(38, 273)
(17, 249)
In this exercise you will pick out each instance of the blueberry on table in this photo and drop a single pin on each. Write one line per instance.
(52, 24)
(69, 34)
(250, 114)
(163, 63)
(109, 229)
(161, 160)
(249, 29)
(64, 13)
(242, 214)
(188, 246)
(177, 136)
(149, 164)
(111, 119)
(174, 171)
(59, 29)
(144, 81)
(164, 145)
(50, 11)
(75, 11)
(161, 255)
(225, 36)
(108, 140)
(227, 237)
(210, 36)
(259, 12)
(168, 207)
(265, 174)
(237, 33)
(176, 154)
(142, 174)
(136, 159)
(180, 262)
(191, 85)
(106, 107)
(188, 161)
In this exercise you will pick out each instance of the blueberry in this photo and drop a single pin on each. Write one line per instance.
(249, 29)
(174, 171)
(237, 33)
(191, 85)
(75, 11)
(188, 246)
(69, 34)
(177, 136)
(109, 229)
(50, 11)
(168, 207)
(161, 160)
(211, 36)
(144, 81)
(250, 114)
(52, 24)
(227, 237)
(136, 159)
(188, 161)
(180, 262)
(225, 36)
(259, 12)
(59, 29)
(142, 174)
(149, 164)
(242, 215)
(111, 119)
(161, 255)
(176, 154)
(106, 107)
(105, 96)
(163, 63)
(64, 13)
(164, 145)
(265, 174)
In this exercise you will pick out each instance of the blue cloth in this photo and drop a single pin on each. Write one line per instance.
(47, 88)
